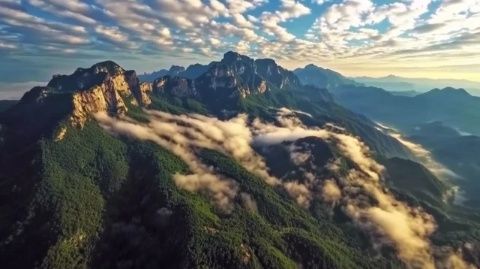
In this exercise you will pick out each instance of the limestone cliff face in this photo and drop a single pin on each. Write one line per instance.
(176, 86)
(103, 87)
(145, 92)
(72, 99)
(235, 76)
(238, 76)
(104, 97)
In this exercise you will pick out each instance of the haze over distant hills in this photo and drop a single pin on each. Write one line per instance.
(445, 121)
(403, 84)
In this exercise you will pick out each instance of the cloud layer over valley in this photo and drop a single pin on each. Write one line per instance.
(357, 188)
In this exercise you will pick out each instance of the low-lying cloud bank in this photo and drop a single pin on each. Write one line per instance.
(359, 190)
(425, 157)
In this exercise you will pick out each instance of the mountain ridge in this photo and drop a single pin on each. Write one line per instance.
(191, 72)
(455, 107)
(100, 182)
(399, 83)
(322, 77)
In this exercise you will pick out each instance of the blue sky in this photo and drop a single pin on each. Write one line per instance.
(415, 38)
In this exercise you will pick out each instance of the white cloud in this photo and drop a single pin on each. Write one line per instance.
(345, 33)
(289, 9)
(111, 33)
(69, 9)
(359, 190)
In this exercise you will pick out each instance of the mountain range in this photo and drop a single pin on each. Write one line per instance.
(191, 72)
(237, 164)
(449, 114)
(453, 106)
(421, 85)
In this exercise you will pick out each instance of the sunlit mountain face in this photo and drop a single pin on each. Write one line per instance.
(355, 37)
(239, 134)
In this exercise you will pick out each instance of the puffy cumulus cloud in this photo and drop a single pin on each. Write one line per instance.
(345, 34)
(241, 21)
(23, 27)
(386, 34)
(114, 35)
(319, 2)
(76, 10)
(289, 9)
(241, 6)
(143, 26)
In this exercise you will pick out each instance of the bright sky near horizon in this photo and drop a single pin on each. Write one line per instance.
(413, 38)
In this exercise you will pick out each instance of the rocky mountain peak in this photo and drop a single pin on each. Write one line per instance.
(322, 77)
(84, 78)
(104, 86)
(176, 86)
(109, 67)
(275, 74)
(232, 57)
(175, 70)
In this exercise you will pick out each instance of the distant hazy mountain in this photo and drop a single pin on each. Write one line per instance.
(321, 77)
(405, 93)
(434, 119)
(459, 152)
(396, 83)
(149, 77)
(454, 107)
(191, 72)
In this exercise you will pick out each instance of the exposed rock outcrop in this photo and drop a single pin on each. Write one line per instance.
(221, 84)
(145, 92)
(103, 87)
(237, 75)
(191, 72)
(176, 86)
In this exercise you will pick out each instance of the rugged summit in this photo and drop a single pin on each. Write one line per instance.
(191, 72)
(239, 75)
(225, 82)
(108, 87)
(103, 87)
(322, 77)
